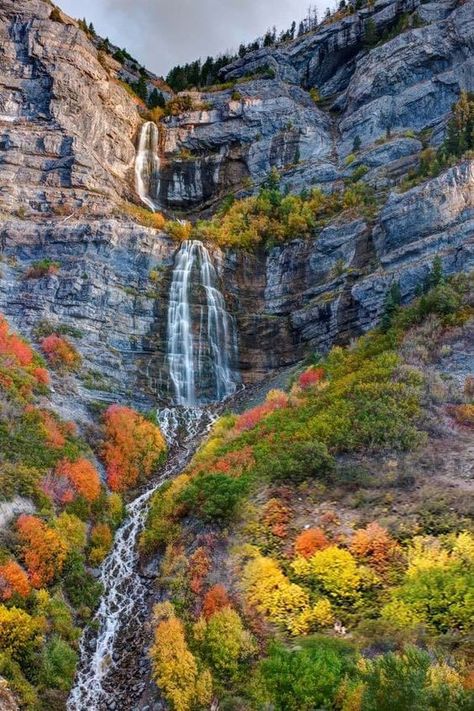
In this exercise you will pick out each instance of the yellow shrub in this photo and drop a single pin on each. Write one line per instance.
(335, 569)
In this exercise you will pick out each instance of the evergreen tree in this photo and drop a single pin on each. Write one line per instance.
(393, 300)
(156, 99)
(370, 33)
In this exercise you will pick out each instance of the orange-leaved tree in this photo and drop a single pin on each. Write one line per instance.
(83, 477)
(132, 448)
(43, 550)
(13, 580)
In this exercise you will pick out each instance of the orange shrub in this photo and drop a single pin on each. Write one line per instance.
(464, 414)
(310, 541)
(52, 429)
(41, 375)
(60, 353)
(83, 477)
(43, 550)
(14, 347)
(310, 377)
(235, 463)
(13, 579)
(132, 448)
(375, 544)
(215, 600)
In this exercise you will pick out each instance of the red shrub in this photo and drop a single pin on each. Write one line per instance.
(133, 447)
(310, 377)
(60, 353)
(248, 420)
(13, 579)
(215, 599)
(83, 477)
(310, 541)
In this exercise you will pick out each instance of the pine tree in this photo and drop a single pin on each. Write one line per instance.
(393, 300)
(370, 33)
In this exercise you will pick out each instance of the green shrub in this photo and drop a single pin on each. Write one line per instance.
(214, 497)
(304, 678)
(58, 665)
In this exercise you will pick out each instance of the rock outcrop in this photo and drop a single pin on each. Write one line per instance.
(67, 148)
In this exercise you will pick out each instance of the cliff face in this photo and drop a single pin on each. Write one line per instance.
(67, 150)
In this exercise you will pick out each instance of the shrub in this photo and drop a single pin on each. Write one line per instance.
(302, 679)
(60, 353)
(13, 581)
(310, 541)
(214, 497)
(335, 570)
(294, 462)
(101, 541)
(143, 216)
(464, 414)
(132, 449)
(45, 267)
(43, 550)
(376, 546)
(20, 633)
(310, 378)
(216, 599)
(58, 665)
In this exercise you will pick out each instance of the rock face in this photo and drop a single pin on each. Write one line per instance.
(67, 149)
(406, 84)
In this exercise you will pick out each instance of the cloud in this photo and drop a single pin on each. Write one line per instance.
(162, 33)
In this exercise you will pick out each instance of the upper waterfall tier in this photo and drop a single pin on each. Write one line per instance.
(202, 342)
(147, 165)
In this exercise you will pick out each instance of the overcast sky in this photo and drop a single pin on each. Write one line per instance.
(162, 33)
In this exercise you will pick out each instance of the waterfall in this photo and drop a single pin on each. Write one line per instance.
(147, 165)
(201, 339)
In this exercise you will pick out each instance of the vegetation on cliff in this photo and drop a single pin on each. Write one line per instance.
(293, 580)
(47, 592)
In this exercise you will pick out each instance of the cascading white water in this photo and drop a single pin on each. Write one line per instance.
(195, 357)
(124, 598)
(147, 165)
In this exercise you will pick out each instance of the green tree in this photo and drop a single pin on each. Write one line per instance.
(302, 679)
(392, 304)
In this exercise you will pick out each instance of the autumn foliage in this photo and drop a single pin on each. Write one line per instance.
(16, 353)
(43, 550)
(310, 541)
(132, 449)
(60, 353)
(214, 600)
(374, 544)
(13, 579)
(83, 477)
(250, 418)
(310, 377)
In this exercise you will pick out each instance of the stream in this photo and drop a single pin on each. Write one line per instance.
(113, 643)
